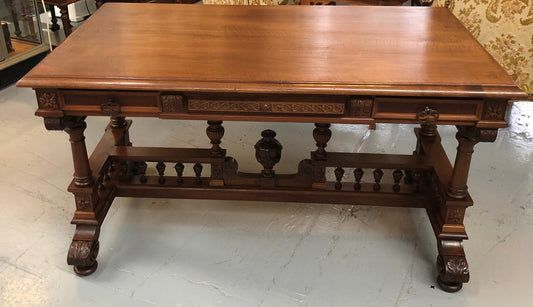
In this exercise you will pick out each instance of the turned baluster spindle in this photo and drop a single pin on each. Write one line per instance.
(321, 134)
(179, 167)
(215, 132)
(397, 176)
(378, 174)
(123, 168)
(339, 172)
(408, 179)
(107, 171)
(161, 170)
(100, 182)
(417, 177)
(358, 174)
(142, 166)
(198, 172)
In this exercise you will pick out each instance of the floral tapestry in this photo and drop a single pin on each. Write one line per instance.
(505, 29)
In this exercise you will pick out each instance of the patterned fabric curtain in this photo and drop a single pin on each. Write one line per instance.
(505, 29)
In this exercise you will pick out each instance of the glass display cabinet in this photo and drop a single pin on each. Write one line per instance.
(21, 35)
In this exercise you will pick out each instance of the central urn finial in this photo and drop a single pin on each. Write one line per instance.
(268, 152)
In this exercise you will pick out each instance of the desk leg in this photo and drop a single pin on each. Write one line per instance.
(67, 27)
(84, 248)
(54, 26)
(451, 261)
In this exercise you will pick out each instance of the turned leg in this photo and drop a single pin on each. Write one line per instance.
(67, 27)
(457, 187)
(54, 26)
(75, 126)
(451, 261)
(122, 134)
(84, 249)
(452, 265)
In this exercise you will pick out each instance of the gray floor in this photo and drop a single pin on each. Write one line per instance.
(228, 253)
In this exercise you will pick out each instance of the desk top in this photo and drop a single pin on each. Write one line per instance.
(403, 51)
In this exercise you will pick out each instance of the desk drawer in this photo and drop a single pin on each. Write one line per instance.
(449, 109)
(293, 105)
(111, 103)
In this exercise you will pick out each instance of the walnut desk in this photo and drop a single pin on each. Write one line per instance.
(321, 65)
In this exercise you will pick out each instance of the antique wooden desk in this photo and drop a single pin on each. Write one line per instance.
(322, 65)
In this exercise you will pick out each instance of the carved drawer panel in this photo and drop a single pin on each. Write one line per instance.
(111, 103)
(269, 104)
(449, 109)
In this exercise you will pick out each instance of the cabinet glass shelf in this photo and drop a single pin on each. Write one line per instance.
(20, 35)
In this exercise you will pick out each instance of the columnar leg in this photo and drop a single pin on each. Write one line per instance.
(84, 248)
(67, 27)
(451, 261)
(452, 265)
(118, 123)
(54, 26)
(467, 138)
(75, 126)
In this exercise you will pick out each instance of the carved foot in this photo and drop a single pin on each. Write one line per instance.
(82, 254)
(453, 271)
(85, 270)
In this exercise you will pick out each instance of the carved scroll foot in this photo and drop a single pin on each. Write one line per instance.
(452, 266)
(84, 249)
(82, 254)
(453, 271)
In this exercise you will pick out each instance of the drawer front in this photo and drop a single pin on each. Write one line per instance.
(111, 103)
(270, 104)
(449, 109)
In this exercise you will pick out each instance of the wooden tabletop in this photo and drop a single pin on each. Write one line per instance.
(405, 51)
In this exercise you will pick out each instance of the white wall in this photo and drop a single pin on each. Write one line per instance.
(77, 11)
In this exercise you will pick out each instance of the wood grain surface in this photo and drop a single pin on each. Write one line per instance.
(406, 51)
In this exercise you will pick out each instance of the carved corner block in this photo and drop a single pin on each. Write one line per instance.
(494, 110)
(48, 101)
(475, 134)
(172, 103)
(86, 201)
(361, 106)
(453, 215)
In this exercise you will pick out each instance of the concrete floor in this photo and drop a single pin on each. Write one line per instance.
(230, 253)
